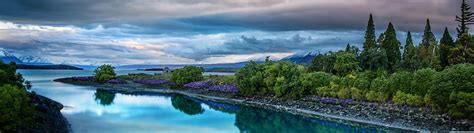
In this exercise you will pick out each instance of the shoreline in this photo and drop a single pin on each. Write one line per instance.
(307, 107)
(47, 115)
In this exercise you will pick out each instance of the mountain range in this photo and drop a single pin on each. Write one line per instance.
(302, 57)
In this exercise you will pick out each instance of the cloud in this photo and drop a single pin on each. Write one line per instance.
(204, 16)
(210, 31)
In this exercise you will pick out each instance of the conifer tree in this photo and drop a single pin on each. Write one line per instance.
(428, 36)
(409, 54)
(392, 46)
(446, 43)
(466, 48)
(369, 40)
(428, 47)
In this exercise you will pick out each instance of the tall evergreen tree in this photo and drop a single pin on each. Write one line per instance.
(369, 40)
(392, 47)
(466, 18)
(428, 47)
(428, 36)
(446, 43)
(409, 54)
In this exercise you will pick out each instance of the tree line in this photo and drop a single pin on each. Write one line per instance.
(435, 74)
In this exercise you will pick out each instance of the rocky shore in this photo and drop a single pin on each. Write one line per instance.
(47, 116)
(386, 114)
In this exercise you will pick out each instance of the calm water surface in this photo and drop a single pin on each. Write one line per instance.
(90, 110)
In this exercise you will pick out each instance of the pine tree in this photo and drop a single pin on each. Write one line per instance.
(369, 40)
(428, 48)
(392, 46)
(466, 18)
(409, 54)
(428, 36)
(446, 43)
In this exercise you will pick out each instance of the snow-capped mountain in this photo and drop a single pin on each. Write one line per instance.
(6, 57)
(34, 60)
(302, 57)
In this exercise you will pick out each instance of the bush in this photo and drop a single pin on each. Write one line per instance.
(457, 78)
(15, 109)
(9, 76)
(401, 81)
(414, 100)
(376, 96)
(422, 81)
(187, 74)
(380, 84)
(402, 98)
(344, 93)
(104, 73)
(327, 91)
(399, 98)
(250, 79)
(313, 80)
(461, 105)
(283, 77)
(356, 94)
(346, 63)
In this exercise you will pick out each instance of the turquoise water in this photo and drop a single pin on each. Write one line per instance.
(91, 110)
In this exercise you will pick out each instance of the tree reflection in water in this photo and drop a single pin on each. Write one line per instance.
(103, 97)
(186, 105)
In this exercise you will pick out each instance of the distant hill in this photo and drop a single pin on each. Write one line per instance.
(56, 67)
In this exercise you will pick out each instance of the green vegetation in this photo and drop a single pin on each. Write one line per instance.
(16, 110)
(430, 74)
(104, 73)
(187, 74)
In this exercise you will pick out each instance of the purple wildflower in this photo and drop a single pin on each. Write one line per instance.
(116, 81)
(225, 88)
(197, 85)
(151, 82)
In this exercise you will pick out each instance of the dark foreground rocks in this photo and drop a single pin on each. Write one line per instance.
(47, 116)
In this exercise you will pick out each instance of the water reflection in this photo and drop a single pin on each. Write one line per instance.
(186, 105)
(104, 98)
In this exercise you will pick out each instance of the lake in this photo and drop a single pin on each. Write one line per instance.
(90, 110)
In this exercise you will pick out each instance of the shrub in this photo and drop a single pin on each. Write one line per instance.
(402, 98)
(461, 105)
(313, 80)
(356, 94)
(414, 100)
(376, 96)
(344, 93)
(457, 78)
(187, 74)
(422, 81)
(327, 91)
(15, 109)
(399, 98)
(380, 84)
(250, 79)
(283, 77)
(401, 81)
(346, 63)
(104, 73)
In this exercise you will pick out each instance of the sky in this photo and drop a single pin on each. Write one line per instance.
(204, 31)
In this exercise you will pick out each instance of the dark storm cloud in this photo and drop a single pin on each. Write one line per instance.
(211, 16)
(243, 45)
